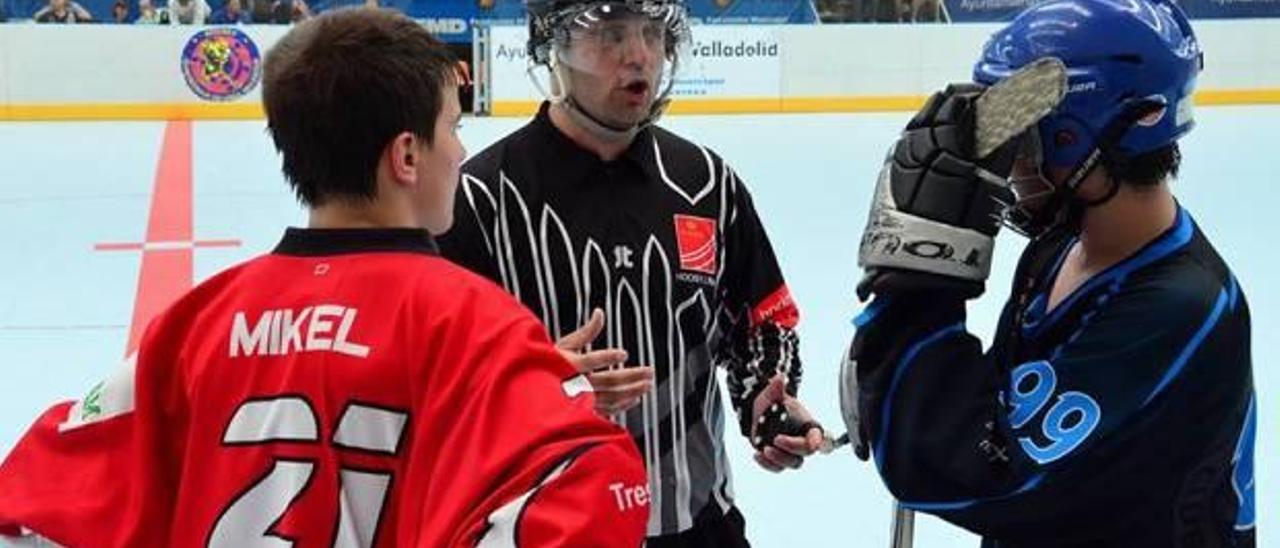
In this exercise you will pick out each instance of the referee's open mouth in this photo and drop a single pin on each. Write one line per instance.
(636, 91)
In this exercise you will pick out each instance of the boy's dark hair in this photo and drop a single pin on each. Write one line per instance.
(1149, 168)
(339, 87)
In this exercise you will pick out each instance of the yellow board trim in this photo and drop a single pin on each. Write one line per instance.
(746, 105)
(865, 103)
(132, 111)
(1238, 97)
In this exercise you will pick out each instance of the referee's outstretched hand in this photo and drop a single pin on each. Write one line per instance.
(616, 390)
(785, 451)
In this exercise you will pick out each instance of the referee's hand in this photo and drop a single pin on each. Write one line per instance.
(615, 390)
(785, 451)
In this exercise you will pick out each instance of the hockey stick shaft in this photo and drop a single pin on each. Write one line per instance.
(904, 527)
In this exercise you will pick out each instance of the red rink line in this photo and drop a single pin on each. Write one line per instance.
(166, 272)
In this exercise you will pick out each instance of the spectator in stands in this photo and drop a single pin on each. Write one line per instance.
(149, 15)
(231, 14)
(284, 12)
(372, 4)
(63, 11)
(259, 10)
(886, 11)
(839, 11)
(300, 11)
(281, 12)
(120, 12)
(927, 11)
(189, 12)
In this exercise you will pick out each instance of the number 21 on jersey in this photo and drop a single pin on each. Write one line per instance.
(248, 519)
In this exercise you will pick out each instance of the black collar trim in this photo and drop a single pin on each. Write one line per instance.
(312, 242)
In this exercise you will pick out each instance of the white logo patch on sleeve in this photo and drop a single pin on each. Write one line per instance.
(110, 398)
(576, 385)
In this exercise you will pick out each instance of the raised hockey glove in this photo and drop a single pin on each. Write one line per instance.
(936, 208)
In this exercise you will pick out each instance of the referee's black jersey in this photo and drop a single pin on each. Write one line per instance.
(1124, 416)
(666, 242)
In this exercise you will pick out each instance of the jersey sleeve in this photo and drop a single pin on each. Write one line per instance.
(584, 494)
(99, 471)
(762, 340)
(511, 425)
(1049, 441)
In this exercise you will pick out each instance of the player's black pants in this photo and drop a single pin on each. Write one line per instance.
(711, 529)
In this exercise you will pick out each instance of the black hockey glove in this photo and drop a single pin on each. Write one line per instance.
(936, 208)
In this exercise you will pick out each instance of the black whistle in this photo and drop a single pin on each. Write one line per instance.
(775, 421)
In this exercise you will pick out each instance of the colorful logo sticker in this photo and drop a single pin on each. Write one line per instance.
(221, 64)
(696, 238)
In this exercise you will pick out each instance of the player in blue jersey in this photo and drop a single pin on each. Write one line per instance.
(1116, 404)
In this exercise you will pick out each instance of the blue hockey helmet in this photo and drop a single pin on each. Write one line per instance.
(1131, 67)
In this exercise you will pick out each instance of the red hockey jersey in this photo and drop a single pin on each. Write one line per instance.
(348, 389)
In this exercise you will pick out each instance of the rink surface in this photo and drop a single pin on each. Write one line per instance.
(76, 202)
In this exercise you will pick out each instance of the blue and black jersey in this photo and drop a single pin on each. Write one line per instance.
(1122, 416)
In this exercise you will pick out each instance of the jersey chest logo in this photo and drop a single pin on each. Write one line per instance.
(696, 240)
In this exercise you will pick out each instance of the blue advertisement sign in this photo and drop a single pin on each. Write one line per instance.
(967, 11)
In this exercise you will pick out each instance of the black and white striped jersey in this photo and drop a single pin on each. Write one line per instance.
(666, 242)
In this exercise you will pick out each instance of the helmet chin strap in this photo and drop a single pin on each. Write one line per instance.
(596, 127)
(1066, 209)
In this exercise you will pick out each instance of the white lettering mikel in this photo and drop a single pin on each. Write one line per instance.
(324, 328)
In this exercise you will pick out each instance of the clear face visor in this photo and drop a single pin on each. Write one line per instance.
(602, 37)
(1028, 179)
(1033, 192)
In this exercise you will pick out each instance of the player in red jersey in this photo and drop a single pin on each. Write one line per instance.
(350, 388)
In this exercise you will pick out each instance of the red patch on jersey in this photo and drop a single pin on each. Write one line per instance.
(778, 308)
(696, 238)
